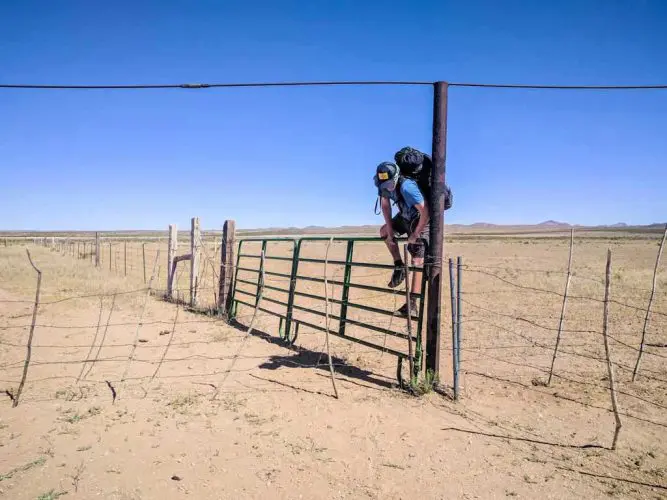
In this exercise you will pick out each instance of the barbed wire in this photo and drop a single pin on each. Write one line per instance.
(573, 353)
(605, 387)
(574, 274)
(583, 350)
(555, 329)
(570, 296)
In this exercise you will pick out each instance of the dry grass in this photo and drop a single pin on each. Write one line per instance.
(63, 276)
(508, 435)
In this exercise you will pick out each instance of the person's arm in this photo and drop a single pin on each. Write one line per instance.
(423, 220)
(386, 213)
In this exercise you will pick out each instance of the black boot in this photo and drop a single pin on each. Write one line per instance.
(403, 311)
(397, 276)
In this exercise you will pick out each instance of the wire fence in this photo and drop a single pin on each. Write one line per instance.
(541, 330)
(106, 349)
(573, 336)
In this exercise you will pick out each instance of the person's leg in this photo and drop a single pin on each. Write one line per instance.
(417, 252)
(417, 257)
(423, 241)
(391, 244)
(398, 226)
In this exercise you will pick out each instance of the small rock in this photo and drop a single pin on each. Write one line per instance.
(175, 478)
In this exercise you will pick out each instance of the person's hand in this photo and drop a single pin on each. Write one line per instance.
(412, 239)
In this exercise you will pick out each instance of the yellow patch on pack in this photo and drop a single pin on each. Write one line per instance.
(383, 176)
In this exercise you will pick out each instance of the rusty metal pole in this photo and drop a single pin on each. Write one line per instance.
(436, 227)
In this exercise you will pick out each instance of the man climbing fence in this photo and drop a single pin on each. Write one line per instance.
(406, 183)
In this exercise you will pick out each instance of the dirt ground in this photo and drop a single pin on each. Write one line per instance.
(203, 410)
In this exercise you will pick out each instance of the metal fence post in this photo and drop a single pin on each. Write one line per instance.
(231, 310)
(419, 349)
(172, 246)
(260, 282)
(292, 288)
(452, 291)
(436, 226)
(226, 268)
(459, 272)
(347, 276)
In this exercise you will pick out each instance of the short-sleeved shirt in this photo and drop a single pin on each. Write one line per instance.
(411, 195)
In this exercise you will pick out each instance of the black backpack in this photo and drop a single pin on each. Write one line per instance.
(416, 165)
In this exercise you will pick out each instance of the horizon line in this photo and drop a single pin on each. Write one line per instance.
(544, 224)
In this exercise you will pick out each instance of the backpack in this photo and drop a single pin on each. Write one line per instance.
(416, 165)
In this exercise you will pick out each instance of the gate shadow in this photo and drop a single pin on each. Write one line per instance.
(302, 357)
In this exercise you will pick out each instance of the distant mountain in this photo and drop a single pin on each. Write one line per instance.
(553, 223)
(619, 224)
(481, 225)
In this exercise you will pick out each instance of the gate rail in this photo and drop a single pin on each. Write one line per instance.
(289, 324)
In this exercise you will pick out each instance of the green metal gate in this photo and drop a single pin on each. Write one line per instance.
(290, 320)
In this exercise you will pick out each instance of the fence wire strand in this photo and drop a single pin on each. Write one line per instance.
(480, 314)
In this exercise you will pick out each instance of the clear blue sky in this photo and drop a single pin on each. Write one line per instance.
(300, 156)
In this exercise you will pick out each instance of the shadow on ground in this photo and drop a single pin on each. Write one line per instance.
(301, 357)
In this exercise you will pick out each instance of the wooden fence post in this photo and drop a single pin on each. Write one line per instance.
(226, 267)
(650, 303)
(143, 255)
(195, 241)
(97, 249)
(171, 254)
(610, 366)
(17, 396)
(562, 311)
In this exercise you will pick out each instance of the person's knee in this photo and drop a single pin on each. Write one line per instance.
(383, 231)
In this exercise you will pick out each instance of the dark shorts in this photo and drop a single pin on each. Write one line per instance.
(402, 226)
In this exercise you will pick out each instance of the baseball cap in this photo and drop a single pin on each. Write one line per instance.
(386, 176)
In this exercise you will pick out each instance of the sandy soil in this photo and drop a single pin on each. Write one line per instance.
(220, 414)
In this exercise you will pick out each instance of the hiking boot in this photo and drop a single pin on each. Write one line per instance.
(403, 311)
(397, 276)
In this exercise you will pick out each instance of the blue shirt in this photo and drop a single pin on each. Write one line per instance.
(411, 196)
